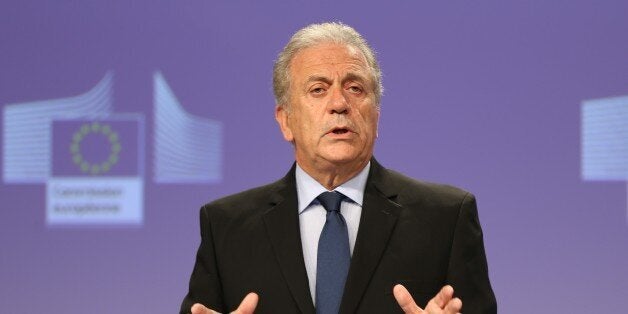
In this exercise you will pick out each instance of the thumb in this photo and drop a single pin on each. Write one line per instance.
(248, 305)
(405, 300)
(198, 308)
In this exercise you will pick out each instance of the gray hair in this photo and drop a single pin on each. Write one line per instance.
(311, 35)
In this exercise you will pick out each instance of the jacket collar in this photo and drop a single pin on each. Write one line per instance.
(378, 219)
(379, 216)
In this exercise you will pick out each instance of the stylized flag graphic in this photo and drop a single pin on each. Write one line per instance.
(96, 148)
(97, 171)
(605, 140)
(27, 130)
(188, 148)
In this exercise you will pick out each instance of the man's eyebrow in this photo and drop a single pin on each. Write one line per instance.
(318, 78)
(352, 76)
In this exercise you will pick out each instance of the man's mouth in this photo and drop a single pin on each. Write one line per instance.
(340, 131)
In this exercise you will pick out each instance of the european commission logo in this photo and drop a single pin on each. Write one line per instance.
(604, 140)
(96, 172)
(91, 159)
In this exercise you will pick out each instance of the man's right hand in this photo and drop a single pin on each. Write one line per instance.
(443, 303)
(248, 305)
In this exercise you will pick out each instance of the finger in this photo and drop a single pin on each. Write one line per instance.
(198, 308)
(442, 297)
(248, 305)
(453, 306)
(405, 300)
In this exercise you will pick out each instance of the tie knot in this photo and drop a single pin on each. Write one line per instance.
(331, 200)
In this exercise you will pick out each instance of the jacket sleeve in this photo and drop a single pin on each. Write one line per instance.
(468, 271)
(205, 287)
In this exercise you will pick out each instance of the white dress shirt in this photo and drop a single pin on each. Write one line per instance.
(312, 215)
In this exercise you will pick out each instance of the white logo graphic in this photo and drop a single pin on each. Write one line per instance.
(605, 140)
(27, 130)
(92, 159)
(188, 149)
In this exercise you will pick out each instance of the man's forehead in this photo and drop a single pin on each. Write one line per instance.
(320, 59)
(329, 53)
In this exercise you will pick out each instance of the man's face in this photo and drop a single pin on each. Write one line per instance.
(332, 115)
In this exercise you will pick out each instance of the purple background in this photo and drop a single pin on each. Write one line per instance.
(483, 94)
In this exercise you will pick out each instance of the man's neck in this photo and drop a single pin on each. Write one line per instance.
(331, 176)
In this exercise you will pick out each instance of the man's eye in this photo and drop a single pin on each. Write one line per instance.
(355, 89)
(318, 90)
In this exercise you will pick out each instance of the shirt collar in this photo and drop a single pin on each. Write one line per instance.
(308, 188)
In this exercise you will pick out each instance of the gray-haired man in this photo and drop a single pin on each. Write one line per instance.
(389, 244)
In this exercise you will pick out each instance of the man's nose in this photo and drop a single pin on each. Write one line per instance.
(338, 102)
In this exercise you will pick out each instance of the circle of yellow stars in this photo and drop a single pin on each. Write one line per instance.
(95, 128)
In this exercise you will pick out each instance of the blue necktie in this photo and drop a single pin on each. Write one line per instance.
(334, 256)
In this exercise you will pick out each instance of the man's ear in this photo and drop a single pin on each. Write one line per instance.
(281, 116)
(377, 123)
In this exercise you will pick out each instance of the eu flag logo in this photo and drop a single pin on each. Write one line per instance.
(96, 148)
(97, 172)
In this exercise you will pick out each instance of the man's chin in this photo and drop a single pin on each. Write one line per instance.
(345, 159)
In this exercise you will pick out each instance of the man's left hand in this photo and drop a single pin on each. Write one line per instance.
(443, 303)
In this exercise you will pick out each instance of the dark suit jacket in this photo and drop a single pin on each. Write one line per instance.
(419, 234)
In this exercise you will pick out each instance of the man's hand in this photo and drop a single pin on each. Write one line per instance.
(246, 307)
(442, 303)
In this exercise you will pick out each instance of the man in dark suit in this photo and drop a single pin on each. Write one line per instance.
(339, 233)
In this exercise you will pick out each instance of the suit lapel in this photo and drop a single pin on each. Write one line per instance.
(379, 215)
(282, 227)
